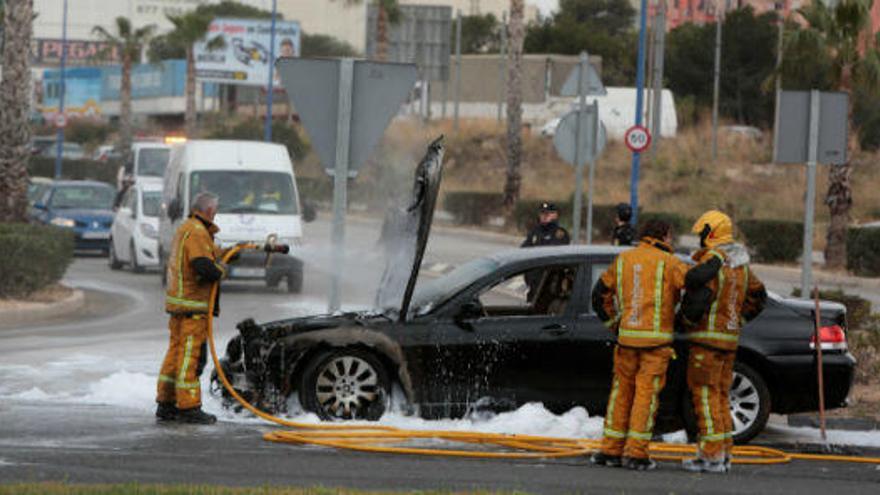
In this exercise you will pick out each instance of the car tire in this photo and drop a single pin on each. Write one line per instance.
(135, 266)
(347, 383)
(112, 260)
(749, 404)
(295, 280)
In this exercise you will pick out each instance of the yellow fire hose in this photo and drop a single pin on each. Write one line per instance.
(386, 439)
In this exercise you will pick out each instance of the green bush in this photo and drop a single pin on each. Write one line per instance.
(41, 166)
(863, 251)
(32, 257)
(315, 189)
(772, 241)
(680, 224)
(252, 129)
(89, 133)
(471, 207)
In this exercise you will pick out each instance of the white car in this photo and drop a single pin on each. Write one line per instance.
(134, 236)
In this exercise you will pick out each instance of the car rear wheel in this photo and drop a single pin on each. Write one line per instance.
(749, 405)
(114, 262)
(345, 384)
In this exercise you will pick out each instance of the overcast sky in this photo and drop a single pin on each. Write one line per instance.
(545, 5)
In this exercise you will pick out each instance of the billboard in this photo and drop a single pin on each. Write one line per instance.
(244, 58)
(45, 51)
(421, 36)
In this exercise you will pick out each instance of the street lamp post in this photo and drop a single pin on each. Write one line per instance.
(640, 89)
(59, 137)
(270, 88)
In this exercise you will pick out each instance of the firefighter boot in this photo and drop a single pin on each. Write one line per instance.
(641, 464)
(196, 416)
(166, 411)
(602, 459)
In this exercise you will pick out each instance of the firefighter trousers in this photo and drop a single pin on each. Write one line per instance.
(184, 362)
(639, 376)
(709, 377)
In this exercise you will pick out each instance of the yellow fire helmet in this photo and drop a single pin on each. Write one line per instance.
(714, 228)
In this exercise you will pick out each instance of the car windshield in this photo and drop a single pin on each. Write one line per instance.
(430, 294)
(248, 192)
(89, 197)
(152, 203)
(36, 190)
(151, 162)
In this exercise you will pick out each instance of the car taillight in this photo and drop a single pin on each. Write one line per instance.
(832, 338)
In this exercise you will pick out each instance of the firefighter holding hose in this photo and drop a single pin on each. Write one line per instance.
(193, 268)
(720, 293)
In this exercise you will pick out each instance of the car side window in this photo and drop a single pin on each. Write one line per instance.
(544, 291)
(597, 270)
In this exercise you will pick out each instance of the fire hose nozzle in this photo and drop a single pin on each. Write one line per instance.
(276, 248)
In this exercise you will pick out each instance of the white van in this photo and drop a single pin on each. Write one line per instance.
(258, 197)
(148, 160)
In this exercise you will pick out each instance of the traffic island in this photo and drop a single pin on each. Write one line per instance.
(46, 304)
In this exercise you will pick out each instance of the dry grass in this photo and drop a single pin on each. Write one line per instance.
(680, 179)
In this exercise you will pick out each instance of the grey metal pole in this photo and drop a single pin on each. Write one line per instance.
(809, 217)
(719, 20)
(59, 133)
(340, 178)
(445, 97)
(594, 143)
(779, 49)
(457, 88)
(270, 85)
(578, 152)
(502, 67)
(659, 48)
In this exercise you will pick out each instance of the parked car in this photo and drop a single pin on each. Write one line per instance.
(471, 339)
(86, 207)
(258, 196)
(134, 236)
(36, 188)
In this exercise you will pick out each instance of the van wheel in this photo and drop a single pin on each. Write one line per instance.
(135, 266)
(114, 262)
(295, 280)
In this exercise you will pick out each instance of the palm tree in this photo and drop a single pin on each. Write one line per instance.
(388, 14)
(514, 104)
(15, 131)
(190, 28)
(837, 38)
(129, 42)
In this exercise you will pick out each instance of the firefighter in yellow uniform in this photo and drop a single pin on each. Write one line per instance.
(193, 267)
(721, 292)
(636, 299)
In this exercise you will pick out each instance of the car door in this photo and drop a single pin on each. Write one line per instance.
(594, 343)
(123, 226)
(510, 348)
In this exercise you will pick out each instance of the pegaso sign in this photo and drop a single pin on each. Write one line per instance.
(244, 58)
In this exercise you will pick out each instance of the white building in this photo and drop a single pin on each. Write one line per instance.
(341, 19)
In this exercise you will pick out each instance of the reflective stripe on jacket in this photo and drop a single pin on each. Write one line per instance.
(735, 289)
(644, 287)
(185, 293)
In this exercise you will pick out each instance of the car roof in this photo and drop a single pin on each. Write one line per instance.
(80, 183)
(222, 154)
(516, 255)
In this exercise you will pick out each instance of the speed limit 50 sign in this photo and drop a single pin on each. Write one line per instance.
(637, 138)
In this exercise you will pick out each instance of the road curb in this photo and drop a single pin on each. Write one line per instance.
(35, 312)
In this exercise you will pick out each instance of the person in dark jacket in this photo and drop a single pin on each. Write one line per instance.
(548, 232)
(624, 233)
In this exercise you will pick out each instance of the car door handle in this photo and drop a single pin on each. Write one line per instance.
(555, 329)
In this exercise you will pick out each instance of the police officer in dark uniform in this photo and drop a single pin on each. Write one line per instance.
(624, 234)
(546, 233)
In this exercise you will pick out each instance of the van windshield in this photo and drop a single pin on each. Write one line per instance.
(247, 192)
(152, 203)
(151, 162)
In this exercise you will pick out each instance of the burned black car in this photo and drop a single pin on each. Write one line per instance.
(473, 338)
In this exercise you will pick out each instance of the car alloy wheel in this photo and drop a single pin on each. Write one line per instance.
(346, 384)
(745, 403)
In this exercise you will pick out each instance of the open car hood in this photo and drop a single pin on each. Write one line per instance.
(406, 233)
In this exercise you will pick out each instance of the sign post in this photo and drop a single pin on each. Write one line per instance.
(582, 81)
(59, 133)
(814, 131)
(270, 84)
(363, 96)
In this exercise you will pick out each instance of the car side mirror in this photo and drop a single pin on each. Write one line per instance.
(309, 213)
(173, 209)
(468, 312)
